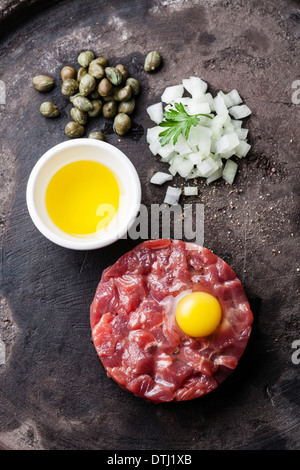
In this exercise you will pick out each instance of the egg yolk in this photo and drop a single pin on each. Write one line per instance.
(198, 314)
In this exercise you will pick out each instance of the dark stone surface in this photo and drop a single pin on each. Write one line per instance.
(54, 393)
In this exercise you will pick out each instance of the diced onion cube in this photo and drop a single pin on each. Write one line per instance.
(227, 142)
(155, 147)
(161, 177)
(229, 171)
(193, 138)
(220, 106)
(195, 86)
(172, 93)
(181, 165)
(168, 158)
(207, 98)
(155, 112)
(215, 176)
(172, 196)
(242, 133)
(204, 143)
(182, 146)
(198, 107)
(207, 167)
(242, 149)
(228, 154)
(184, 168)
(237, 123)
(232, 98)
(152, 134)
(196, 158)
(165, 151)
(218, 122)
(240, 112)
(190, 190)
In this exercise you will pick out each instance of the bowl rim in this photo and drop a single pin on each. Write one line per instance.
(88, 243)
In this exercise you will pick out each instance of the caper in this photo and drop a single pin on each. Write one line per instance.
(96, 70)
(114, 75)
(98, 135)
(125, 93)
(69, 87)
(105, 87)
(110, 109)
(135, 85)
(71, 98)
(126, 107)
(124, 71)
(49, 110)
(102, 61)
(85, 58)
(79, 116)
(95, 95)
(109, 97)
(97, 108)
(87, 85)
(152, 61)
(74, 129)
(81, 73)
(43, 83)
(122, 123)
(82, 103)
(68, 72)
(114, 96)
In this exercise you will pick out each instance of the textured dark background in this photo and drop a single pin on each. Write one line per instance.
(54, 393)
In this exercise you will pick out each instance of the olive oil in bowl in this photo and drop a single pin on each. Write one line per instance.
(82, 197)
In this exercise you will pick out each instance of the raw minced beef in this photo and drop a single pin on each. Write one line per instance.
(134, 328)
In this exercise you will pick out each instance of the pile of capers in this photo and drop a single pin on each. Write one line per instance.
(95, 89)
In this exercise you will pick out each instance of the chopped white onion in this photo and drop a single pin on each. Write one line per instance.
(229, 171)
(190, 191)
(196, 158)
(208, 149)
(198, 107)
(220, 106)
(155, 112)
(207, 167)
(152, 134)
(165, 151)
(242, 133)
(169, 158)
(232, 98)
(160, 178)
(195, 86)
(227, 143)
(242, 149)
(240, 112)
(155, 147)
(182, 146)
(215, 176)
(181, 165)
(172, 93)
(172, 196)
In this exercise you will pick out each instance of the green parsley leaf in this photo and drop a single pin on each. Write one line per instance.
(177, 121)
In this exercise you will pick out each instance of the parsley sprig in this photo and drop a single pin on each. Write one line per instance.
(177, 121)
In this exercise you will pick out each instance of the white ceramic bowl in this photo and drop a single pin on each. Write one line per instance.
(84, 149)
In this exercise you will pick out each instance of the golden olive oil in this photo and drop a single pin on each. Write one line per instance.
(82, 197)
